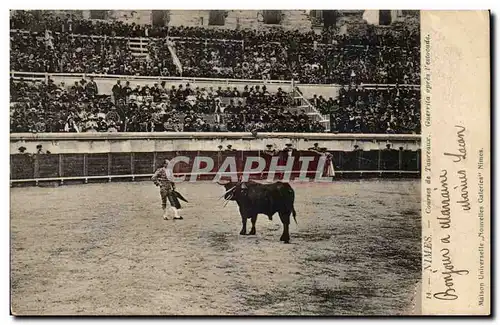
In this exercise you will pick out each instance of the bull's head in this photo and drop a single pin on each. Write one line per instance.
(234, 190)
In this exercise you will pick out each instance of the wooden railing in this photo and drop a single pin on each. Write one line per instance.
(139, 39)
(46, 75)
(210, 136)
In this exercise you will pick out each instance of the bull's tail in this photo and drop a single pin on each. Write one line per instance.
(293, 201)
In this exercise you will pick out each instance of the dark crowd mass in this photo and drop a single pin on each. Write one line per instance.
(47, 107)
(373, 110)
(40, 21)
(70, 45)
(377, 71)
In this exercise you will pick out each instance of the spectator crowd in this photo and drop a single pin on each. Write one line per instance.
(39, 21)
(48, 107)
(372, 110)
(55, 44)
(41, 42)
(64, 53)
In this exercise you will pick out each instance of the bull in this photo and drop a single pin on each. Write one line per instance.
(255, 198)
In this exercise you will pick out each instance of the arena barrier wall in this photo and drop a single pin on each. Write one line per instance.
(108, 156)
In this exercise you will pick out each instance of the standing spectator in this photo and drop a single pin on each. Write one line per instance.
(91, 88)
(117, 91)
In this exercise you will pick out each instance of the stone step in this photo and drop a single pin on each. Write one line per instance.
(138, 52)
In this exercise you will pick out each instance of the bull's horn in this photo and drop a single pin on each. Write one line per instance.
(218, 182)
(227, 201)
(232, 188)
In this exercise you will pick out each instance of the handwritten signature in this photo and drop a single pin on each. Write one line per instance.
(462, 150)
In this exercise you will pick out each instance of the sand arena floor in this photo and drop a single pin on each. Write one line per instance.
(104, 249)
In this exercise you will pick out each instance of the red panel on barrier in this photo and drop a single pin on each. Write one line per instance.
(24, 167)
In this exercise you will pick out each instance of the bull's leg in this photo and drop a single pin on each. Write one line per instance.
(285, 219)
(244, 225)
(254, 220)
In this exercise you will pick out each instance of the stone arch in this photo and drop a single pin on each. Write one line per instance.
(217, 17)
(385, 17)
(272, 17)
(159, 17)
